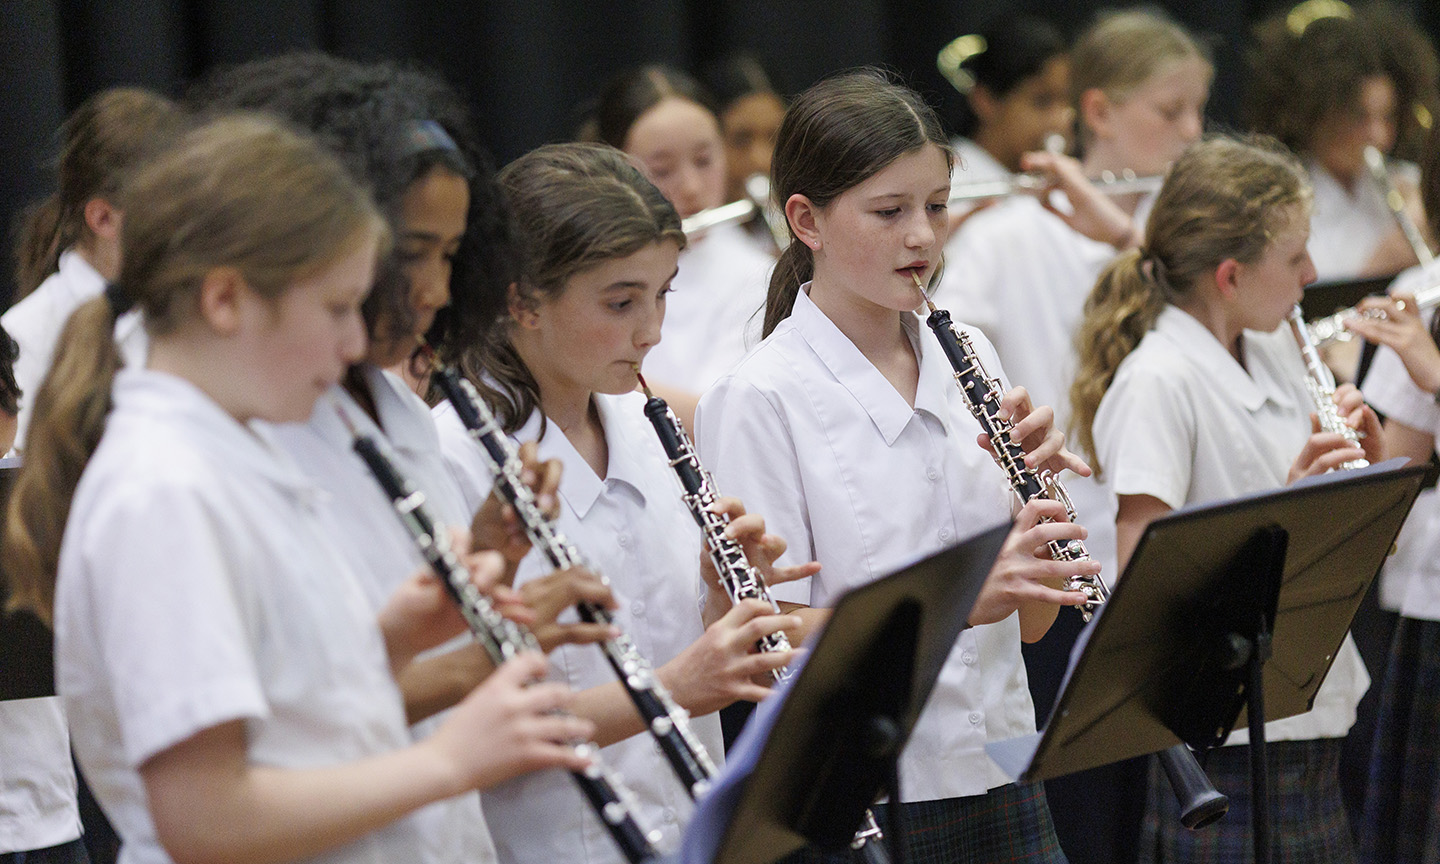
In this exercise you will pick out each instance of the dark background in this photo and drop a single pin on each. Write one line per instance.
(526, 64)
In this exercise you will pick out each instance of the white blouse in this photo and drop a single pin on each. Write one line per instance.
(1021, 275)
(37, 784)
(714, 312)
(1346, 225)
(198, 586)
(814, 438)
(381, 552)
(1415, 567)
(633, 527)
(1184, 423)
(36, 321)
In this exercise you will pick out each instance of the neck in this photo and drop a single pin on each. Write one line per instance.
(207, 366)
(875, 330)
(1217, 320)
(992, 143)
(1100, 158)
(359, 389)
(566, 403)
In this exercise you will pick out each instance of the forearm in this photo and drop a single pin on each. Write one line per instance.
(811, 620)
(1036, 619)
(608, 706)
(436, 683)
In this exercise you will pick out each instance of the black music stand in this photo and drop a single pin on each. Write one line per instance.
(1215, 600)
(827, 744)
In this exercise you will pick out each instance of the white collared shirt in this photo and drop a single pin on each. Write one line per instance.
(364, 522)
(1021, 275)
(633, 527)
(1413, 572)
(37, 783)
(714, 312)
(810, 435)
(1185, 423)
(1346, 225)
(199, 586)
(36, 321)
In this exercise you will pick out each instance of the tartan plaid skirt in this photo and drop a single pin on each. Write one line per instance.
(1307, 815)
(1402, 804)
(1007, 825)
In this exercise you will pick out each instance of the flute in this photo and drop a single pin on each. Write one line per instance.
(501, 638)
(1320, 384)
(1127, 182)
(664, 718)
(740, 579)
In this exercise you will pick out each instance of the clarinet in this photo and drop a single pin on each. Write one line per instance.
(666, 720)
(502, 639)
(1321, 386)
(982, 396)
(740, 579)
(1200, 802)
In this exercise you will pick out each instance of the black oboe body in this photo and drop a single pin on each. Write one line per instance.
(664, 718)
(503, 639)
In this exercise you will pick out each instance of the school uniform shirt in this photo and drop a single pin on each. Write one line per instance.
(36, 321)
(37, 798)
(363, 520)
(1346, 224)
(714, 312)
(973, 164)
(1185, 423)
(633, 527)
(810, 435)
(1021, 275)
(199, 586)
(1389, 388)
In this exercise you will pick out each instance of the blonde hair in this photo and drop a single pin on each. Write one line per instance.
(239, 192)
(1224, 199)
(106, 139)
(1122, 50)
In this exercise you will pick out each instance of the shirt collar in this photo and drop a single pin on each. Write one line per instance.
(1250, 388)
(167, 399)
(888, 410)
(580, 486)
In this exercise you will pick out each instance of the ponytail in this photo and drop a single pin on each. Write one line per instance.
(1126, 302)
(42, 236)
(795, 267)
(66, 424)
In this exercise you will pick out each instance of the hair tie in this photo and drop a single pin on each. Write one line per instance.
(423, 136)
(119, 301)
(1154, 270)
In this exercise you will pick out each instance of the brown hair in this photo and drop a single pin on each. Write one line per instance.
(627, 98)
(1122, 50)
(1302, 74)
(1224, 199)
(109, 136)
(574, 206)
(836, 135)
(238, 192)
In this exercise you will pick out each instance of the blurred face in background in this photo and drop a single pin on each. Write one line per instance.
(750, 125)
(678, 146)
(1368, 121)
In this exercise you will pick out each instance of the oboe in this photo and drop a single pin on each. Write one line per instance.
(666, 720)
(1200, 802)
(501, 638)
(1321, 386)
(740, 579)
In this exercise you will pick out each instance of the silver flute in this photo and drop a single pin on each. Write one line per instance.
(757, 201)
(1127, 182)
(1332, 328)
(1321, 386)
(666, 720)
(741, 579)
(502, 639)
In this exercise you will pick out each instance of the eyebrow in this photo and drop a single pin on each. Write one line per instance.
(630, 283)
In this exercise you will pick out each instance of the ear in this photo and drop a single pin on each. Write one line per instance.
(222, 294)
(522, 310)
(102, 218)
(801, 212)
(1095, 112)
(983, 103)
(1227, 278)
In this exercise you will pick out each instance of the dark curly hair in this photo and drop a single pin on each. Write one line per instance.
(1299, 79)
(365, 112)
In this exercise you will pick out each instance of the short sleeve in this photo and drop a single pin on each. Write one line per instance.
(968, 286)
(168, 600)
(1145, 435)
(749, 449)
(462, 457)
(1389, 388)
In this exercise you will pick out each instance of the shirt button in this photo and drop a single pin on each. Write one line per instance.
(624, 541)
(975, 718)
(944, 533)
(638, 607)
(669, 816)
(932, 474)
(967, 658)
